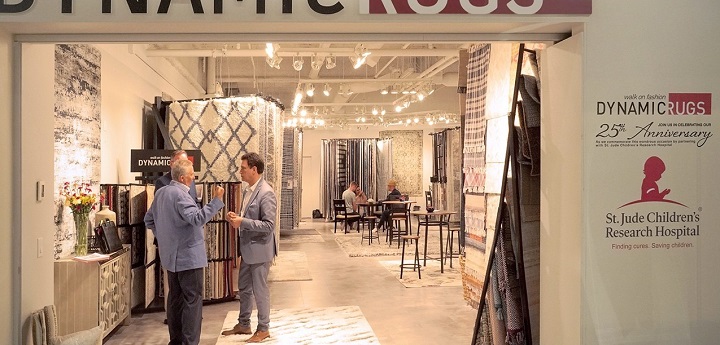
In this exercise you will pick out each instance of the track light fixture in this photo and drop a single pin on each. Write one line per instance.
(271, 49)
(298, 63)
(375, 111)
(310, 90)
(326, 90)
(384, 90)
(361, 54)
(330, 62)
(274, 61)
(316, 62)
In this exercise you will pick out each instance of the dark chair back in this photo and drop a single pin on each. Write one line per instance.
(428, 199)
(339, 207)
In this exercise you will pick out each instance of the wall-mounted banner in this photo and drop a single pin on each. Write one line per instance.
(149, 161)
(36, 8)
(655, 120)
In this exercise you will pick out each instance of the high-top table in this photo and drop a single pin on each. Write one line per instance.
(437, 213)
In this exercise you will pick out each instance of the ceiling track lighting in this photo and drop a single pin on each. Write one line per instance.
(274, 61)
(316, 62)
(361, 54)
(271, 49)
(384, 90)
(297, 63)
(326, 90)
(330, 62)
(310, 90)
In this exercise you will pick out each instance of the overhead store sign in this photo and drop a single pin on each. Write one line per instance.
(327, 7)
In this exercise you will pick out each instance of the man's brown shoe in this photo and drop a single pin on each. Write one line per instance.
(258, 337)
(238, 329)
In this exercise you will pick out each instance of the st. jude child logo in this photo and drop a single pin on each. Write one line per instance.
(650, 191)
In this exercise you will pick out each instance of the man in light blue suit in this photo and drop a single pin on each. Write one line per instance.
(177, 222)
(256, 224)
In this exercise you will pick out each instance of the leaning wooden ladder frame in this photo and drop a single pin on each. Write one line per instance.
(510, 160)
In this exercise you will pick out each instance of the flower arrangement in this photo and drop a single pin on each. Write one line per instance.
(79, 197)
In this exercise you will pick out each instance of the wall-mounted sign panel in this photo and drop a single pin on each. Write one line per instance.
(149, 161)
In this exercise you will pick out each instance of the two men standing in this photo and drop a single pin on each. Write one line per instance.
(178, 223)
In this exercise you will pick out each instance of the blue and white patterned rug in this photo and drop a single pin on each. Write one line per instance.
(337, 325)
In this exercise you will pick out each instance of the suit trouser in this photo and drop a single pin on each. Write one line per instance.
(252, 281)
(184, 312)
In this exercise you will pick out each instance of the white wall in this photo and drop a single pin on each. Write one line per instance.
(8, 330)
(311, 159)
(37, 139)
(561, 194)
(650, 296)
(128, 81)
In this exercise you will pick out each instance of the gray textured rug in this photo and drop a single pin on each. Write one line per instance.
(289, 266)
(336, 325)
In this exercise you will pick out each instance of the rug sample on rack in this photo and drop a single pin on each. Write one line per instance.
(289, 266)
(77, 130)
(430, 274)
(407, 164)
(317, 326)
(475, 126)
(352, 246)
(225, 129)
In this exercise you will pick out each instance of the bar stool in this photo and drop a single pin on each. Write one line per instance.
(370, 236)
(449, 244)
(416, 262)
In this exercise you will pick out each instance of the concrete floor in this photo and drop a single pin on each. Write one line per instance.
(397, 315)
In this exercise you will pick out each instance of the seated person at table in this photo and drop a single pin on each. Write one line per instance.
(393, 195)
(349, 196)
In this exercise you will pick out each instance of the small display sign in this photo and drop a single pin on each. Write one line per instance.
(148, 161)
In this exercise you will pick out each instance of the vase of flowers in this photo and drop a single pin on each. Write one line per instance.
(81, 200)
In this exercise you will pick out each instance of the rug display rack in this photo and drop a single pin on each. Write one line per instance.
(505, 289)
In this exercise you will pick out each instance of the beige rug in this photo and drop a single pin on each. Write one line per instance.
(300, 236)
(289, 266)
(336, 325)
(350, 244)
(430, 274)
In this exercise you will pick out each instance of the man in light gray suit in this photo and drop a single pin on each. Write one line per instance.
(256, 225)
(177, 222)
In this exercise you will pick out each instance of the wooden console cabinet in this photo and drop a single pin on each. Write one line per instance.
(88, 294)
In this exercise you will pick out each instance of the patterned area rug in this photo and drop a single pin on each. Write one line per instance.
(300, 236)
(337, 325)
(289, 266)
(430, 274)
(350, 244)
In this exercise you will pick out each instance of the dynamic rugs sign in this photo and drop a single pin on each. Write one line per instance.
(655, 120)
(522, 7)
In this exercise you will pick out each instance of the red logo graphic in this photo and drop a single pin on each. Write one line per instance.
(475, 7)
(689, 103)
(653, 170)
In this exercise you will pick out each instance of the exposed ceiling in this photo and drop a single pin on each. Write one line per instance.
(394, 77)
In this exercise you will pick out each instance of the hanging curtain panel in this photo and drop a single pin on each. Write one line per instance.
(407, 160)
(347, 160)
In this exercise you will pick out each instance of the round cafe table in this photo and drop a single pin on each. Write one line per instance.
(444, 220)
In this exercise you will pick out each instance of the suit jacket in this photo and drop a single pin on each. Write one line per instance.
(164, 180)
(177, 222)
(257, 229)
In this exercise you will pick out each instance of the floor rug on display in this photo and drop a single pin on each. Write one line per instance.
(335, 325)
(289, 266)
(430, 274)
(300, 236)
(350, 244)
